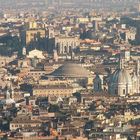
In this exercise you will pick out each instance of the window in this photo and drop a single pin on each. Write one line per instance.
(123, 91)
(116, 91)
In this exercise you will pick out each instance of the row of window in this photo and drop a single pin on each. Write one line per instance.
(39, 73)
(51, 92)
(24, 125)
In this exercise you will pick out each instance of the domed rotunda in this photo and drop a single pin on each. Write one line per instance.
(71, 70)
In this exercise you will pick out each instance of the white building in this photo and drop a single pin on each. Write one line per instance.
(122, 83)
(130, 34)
(36, 54)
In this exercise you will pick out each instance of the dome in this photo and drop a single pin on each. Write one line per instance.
(71, 70)
(121, 76)
(121, 82)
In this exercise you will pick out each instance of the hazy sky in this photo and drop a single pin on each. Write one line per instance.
(30, 3)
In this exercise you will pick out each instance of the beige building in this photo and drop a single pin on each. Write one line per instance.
(32, 25)
(53, 90)
(36, 74)
(5, 60)
(65, 44)
(57, 81)
(31, 35)
(24, 122)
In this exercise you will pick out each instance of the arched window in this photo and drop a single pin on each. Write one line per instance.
(123, 91)
(116, 92)
(65, 49)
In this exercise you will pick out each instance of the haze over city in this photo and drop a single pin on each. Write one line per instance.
(69, 69)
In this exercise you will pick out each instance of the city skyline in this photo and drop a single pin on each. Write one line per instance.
(69, 70)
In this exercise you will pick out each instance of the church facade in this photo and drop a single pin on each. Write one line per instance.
(121, 82)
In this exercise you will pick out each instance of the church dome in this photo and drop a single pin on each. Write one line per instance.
(71, 70)
(120, 82)
(121, 76)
